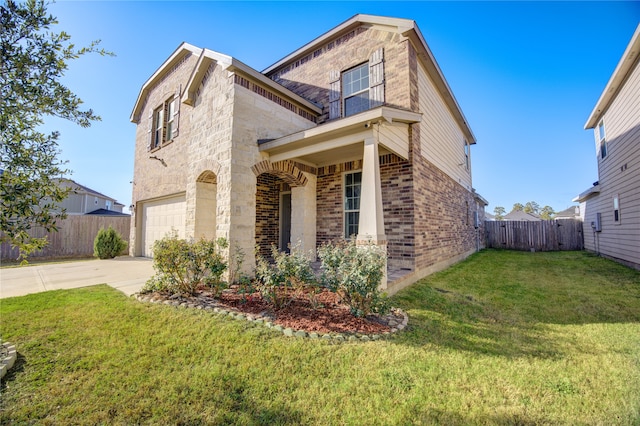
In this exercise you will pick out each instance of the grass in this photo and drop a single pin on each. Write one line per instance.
(502, 338)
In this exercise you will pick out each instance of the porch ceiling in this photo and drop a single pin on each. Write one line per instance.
(342, 139)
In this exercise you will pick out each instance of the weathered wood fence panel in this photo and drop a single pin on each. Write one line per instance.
(546, 235)
(74, 237)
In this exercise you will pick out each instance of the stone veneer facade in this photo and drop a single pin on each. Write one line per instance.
(428, 214)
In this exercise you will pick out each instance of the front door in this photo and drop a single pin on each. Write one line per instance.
(285, 221)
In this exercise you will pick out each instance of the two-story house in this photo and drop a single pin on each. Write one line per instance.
(355, 134)
(84, 200)
(611, 207)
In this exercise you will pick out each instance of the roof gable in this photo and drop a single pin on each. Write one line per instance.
(407, 28)
(179, 54)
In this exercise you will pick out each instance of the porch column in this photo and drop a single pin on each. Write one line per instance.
(371, 223)
(303, 216)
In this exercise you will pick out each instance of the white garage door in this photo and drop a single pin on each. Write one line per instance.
(159, 219)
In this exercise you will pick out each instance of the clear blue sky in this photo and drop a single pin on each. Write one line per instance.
(526, 74)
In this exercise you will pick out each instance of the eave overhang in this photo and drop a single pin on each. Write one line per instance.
(208, 57)
(589, 193)
(624, 68)
(407, 28)
(339, 134)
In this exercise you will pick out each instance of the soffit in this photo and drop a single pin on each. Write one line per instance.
(627, 63)
(337, 139)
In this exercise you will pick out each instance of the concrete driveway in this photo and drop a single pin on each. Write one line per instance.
(127, 274)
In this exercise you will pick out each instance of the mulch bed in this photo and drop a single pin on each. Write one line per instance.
(326, 315)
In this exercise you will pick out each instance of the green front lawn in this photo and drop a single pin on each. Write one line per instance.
(502, 338)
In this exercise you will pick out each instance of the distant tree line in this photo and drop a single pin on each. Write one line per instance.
(532, 207)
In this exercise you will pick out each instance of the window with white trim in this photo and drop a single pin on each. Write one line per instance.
(466, 154)
(164, 123)
(352, 191)
(158, 128)
(602, 139)
(616, 209)
(355, 90)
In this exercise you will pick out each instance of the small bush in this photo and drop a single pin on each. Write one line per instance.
(281, 282)
(354, 273)
(108, 244)
(181, 266)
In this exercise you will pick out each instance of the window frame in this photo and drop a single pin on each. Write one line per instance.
(170, 111)
(466, 154)
(616, 209)
(157, 136)
(346, 211)
(602, 140)
(163, 123)
(345, 97)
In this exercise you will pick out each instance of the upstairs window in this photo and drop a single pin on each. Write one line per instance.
(164, 122)
(355, 90)
(158, 128)
(602, 140)
(466, 154)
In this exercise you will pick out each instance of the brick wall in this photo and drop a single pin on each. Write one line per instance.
(397, 194)
(444, 225)
(267, 212)
(268, 189)
(396, 179)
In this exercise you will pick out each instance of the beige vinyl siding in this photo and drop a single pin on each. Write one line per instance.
(442, 140)
(395, 137)
(622, 126)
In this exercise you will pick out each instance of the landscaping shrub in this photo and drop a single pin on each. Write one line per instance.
(354, 273)
(108, 244)
(286, 278)
(181, 266)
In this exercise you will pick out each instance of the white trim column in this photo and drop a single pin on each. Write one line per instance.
(371, 223)
(303, 216)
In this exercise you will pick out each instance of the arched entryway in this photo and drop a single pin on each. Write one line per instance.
(285, 207)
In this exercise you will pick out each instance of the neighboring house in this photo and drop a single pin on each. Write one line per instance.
(83, 200)
(519, 215)
(489, 216)
(356, 133)
(572, 212)
(611, 207)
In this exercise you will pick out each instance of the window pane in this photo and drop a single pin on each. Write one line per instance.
(355, 80)
(356, 104)
(352, 192)
(351, 223)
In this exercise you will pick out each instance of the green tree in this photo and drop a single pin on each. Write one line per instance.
(499, 212)
(33, 61)
(532, 207)
(547, 213)
(517, 207)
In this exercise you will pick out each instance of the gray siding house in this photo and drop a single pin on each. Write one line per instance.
(611, 207)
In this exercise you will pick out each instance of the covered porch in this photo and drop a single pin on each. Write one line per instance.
(324, 183)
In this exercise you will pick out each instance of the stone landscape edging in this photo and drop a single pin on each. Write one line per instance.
(266, 321)
(9, 356)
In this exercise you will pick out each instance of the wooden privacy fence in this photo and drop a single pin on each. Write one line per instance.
(74, 237)
(545, 235)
